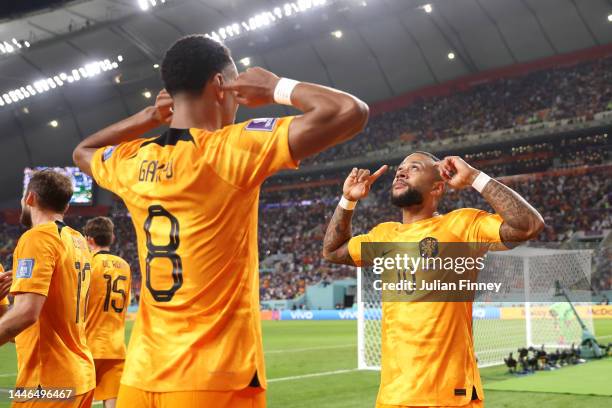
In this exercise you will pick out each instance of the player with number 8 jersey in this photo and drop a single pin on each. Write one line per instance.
(193, 194)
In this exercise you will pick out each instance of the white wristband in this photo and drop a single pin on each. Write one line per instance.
(347, 204)
(283, 90)
(481, 181)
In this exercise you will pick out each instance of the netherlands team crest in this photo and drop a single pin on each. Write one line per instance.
(428, 247)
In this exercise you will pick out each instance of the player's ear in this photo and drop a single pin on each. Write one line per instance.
(113, 238)
(216, 84)
(30, 199)
(438, 188)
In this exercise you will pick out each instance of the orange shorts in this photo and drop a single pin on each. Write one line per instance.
(108, 377)
(79, 401)
(130, 397)
(472, 404)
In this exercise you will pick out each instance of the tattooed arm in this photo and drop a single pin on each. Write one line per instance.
(521, 223)
(339, 233)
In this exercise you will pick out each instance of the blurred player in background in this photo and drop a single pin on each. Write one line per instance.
(109, 299)
(52, 268)
(193, 196)
(5, 287)
(564, 321)
(427, 347)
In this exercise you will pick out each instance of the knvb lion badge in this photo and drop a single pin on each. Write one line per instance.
(429, 248)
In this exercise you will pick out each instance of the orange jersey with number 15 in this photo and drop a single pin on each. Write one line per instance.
(108, 303)
(193, 196)
(53, 260)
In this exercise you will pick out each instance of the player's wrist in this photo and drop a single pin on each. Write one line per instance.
(480, 180)
(347, 203)
(283, 90)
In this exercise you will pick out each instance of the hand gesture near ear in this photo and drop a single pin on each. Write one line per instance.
(456, 172)
(254, 87)
(163, 106)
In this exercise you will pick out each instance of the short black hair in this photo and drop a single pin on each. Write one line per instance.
(191, 62)
(53, 190)
(431, 156)
(101, 230)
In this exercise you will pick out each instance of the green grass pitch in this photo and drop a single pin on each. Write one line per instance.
(312, 364)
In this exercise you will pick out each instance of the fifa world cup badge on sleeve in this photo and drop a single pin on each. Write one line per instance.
(262, 124)
(24, 268)
(108, 152)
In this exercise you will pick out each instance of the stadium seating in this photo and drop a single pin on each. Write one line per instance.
(564, 92)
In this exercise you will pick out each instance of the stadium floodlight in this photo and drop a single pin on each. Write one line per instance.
(451, 55)
(144, 5)
(246, 61)
(155, 66)
(610, 18)
(265, 19)
(54, 123)
(89, 70)
(338, 34)
(14, 45)
(149, 4)
(428, 8)
(147, 94)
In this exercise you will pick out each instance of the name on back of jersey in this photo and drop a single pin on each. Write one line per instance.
(112, 264)
(152, 171)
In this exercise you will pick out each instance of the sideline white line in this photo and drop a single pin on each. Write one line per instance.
(299, 377)
(309, 349)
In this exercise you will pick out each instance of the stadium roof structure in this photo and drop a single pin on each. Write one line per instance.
(376, 49)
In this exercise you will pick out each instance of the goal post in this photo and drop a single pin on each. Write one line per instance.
(499, 327)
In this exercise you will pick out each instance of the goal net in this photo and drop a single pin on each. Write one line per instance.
(530, 313)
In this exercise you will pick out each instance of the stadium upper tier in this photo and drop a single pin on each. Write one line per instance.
(576, 92)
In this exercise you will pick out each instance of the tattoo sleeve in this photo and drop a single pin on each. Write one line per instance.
(521, 221)
(337, 236)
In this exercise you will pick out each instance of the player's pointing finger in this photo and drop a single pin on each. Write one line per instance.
(379, 173)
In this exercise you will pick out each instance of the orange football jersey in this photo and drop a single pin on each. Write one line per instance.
(109, 298)
(193, 197)
(4, 301)
(428, 347)
(53, 260)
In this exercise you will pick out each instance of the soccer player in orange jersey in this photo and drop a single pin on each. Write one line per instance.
(51, 267)
(108, 303)
(193, 196)
(5, 286)
(427, 347)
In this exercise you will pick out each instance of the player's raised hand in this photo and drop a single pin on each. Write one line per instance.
(163, 107)
(357, 184)
(6, 279)
(456, 172)
(253, 87)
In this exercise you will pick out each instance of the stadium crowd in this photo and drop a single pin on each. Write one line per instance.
(547, 95)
